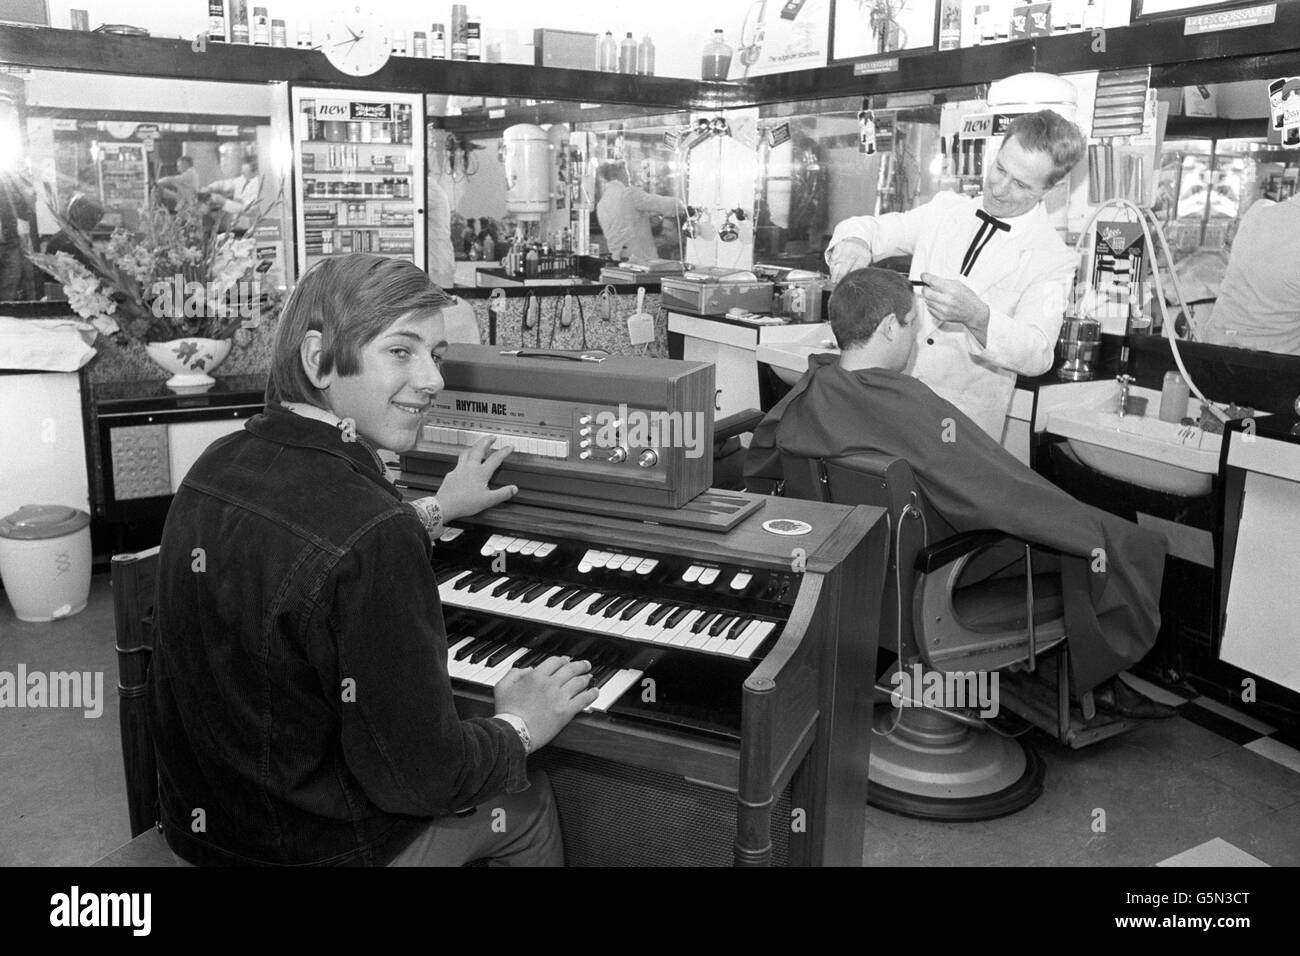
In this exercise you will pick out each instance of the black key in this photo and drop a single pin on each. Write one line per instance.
(489, 647)
(504, 586)
(542, 651)
(559, 596)
(534, 592)
(470, 648)
(676, 617)
(464, 583)
(524, 584)
(496, 657)
(632, 610)
(660, 613)
(721, 624)
(574, 600)
(612, 609)
(447, 574)
(480, 585)
(703, 621)
(600, 676)
(603, 603)
(738, 627)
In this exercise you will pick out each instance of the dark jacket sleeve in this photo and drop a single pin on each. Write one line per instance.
(402, 738)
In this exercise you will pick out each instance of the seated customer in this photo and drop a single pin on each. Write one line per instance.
(862, 402)
(299, 697)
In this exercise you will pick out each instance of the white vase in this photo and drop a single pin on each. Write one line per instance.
(189, 360)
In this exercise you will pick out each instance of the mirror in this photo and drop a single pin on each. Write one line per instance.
(133, 145)
(1218, 176)
(474, 167)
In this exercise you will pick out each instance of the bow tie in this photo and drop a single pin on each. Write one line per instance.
(989, 225)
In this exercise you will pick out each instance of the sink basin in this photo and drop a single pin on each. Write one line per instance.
(789, 359)
(1139, 449)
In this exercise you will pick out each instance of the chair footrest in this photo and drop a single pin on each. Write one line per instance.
(1036, 702)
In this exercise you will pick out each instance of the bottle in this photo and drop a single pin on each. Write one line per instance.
(304, 35)
(238, 21)
(216, 21)
(950, 25)
(261, 27)
(399, 43)
(420, 45)
(531, 262)
(473, 38)
(438, 42)
(279, 36)
(608, 54)
(716, 62)
(645, 57)
(457, 39)
(627, 55)
(1173, 398)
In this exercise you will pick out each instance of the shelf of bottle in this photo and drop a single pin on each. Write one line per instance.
(311, 227)
(320, 197)
(354, 142)
(371, 170)
(312, 257)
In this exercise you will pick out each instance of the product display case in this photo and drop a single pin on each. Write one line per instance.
(358, 174)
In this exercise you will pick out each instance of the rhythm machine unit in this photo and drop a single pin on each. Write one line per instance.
(584, 424)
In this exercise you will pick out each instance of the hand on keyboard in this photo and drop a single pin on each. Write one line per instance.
(465, 490)
(547, 697)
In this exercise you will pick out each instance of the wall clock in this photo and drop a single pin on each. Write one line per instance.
(357, 42)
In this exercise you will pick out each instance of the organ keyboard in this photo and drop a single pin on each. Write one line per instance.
(735, 663)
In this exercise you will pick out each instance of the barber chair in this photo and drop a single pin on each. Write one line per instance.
(980, 601)
(729, 451)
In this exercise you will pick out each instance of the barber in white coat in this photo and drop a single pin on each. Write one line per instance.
(996, 273)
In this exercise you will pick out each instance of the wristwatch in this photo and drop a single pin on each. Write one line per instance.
(521, 729)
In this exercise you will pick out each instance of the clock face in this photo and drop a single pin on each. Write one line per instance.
(357, 43)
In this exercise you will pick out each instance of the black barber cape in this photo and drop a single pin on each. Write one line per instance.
(974, 484)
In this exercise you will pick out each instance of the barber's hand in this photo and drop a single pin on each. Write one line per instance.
(546, 696)
(950, 300)
(847, 255)
(465, 490)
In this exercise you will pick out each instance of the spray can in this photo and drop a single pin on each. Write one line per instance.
(238, 21)
(261, 27)
(458, 44)
(278, 34)
(216, 21)
(420, 45)
(438, 42)
(473, 38)
(304, 35)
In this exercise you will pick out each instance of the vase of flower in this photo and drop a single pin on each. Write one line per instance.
(189, 360)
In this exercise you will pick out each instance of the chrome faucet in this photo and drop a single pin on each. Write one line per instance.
(1124, 382)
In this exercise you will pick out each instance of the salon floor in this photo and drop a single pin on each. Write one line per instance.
(1209, 787)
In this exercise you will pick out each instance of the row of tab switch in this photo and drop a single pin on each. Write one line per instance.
(512, 545)
(706, 576)
(545, 447)
(612, 561)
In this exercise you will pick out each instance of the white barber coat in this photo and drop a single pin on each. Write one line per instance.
(1023, 275)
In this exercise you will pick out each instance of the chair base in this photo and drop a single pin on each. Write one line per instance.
(928, 766)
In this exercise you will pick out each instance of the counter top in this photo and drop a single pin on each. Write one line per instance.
(150, 396)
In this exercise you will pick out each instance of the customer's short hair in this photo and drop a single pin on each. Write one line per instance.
(350, 301)
(1049, 132)
(863, 299)
(612, 171)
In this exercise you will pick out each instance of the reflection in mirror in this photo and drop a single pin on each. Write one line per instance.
(1228, 209)
(497, 194)
(115, 158)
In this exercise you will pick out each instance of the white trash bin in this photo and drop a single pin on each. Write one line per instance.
(45, 561)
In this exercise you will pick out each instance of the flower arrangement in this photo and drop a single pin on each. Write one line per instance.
(883, 19)
(178, 276)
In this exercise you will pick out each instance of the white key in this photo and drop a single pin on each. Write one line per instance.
(708, 576)
(697, 641)
(538, 611)
(530, 548)
(647, 565)
(454, 648)
(640, 630)
(493, 677)
(614, 688)
(718, 644)
(474, 672)
(580, 615)
(544, 550)
(741, 581)
(692, 573)
(461, 668)
(482, 599)
(450, 534)
(754, 635)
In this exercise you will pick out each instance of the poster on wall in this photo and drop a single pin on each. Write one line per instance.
(1167, 9)
(1284, 103)
(123, 173)
(777, 36)
(863, 28)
